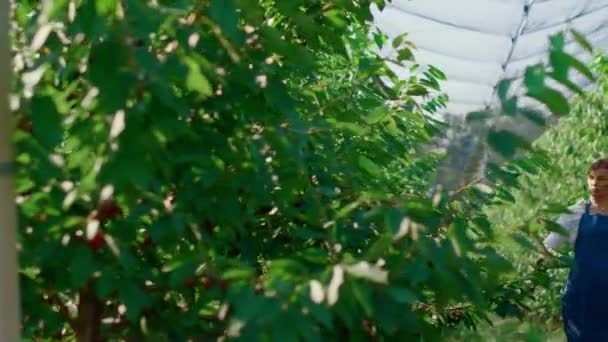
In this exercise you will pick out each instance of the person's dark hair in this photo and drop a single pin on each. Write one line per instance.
(598, 164)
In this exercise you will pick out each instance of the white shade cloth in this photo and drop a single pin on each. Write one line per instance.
(476, 43)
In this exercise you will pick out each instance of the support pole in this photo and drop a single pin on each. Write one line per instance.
(9, 289)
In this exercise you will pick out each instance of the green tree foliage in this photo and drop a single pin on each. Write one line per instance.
(572, 145)
(241, 168)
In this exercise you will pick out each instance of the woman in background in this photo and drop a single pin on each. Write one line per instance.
(585, 298)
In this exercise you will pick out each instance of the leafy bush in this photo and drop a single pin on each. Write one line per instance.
(241, 168)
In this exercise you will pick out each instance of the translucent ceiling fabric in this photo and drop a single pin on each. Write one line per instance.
(476, 43)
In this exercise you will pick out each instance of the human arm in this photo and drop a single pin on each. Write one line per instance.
(569, 221)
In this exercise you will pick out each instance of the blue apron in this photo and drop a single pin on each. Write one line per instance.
(585, 299)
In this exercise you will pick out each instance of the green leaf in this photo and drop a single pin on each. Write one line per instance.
(336, 17)
(224, 13)
(528, 166)
(46, 122)
(397, 41)
(553, 99)
(581, 40)
(363, 296)
(376, 115)
(557, 41)
(107, 283)
(238, 274)
(534, 79)
(523, 241)
(369, 166)
(502, 89)
(295, 54)
(135, 299)
(392, 220)
(349, 126)
(561, 60)
(554, 208)
(382, 245)
(402, 295)
(505, 142)
(534, 116)
(196, 81)
(560, 65)
(106, 7)
(392, 128)
(322, 315)
(437, 73)
(107, 72)
(505, 195)
(405, 54)
(554, 227)
(430, 82)
(569, 84)
(417, 90)
(497, 173)
(289, 8)
(379, 39)
(509, 106)
(82, 266)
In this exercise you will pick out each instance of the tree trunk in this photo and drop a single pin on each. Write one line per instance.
(9, 289)
(88, 323)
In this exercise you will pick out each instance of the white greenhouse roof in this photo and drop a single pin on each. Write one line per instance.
(476, 43)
